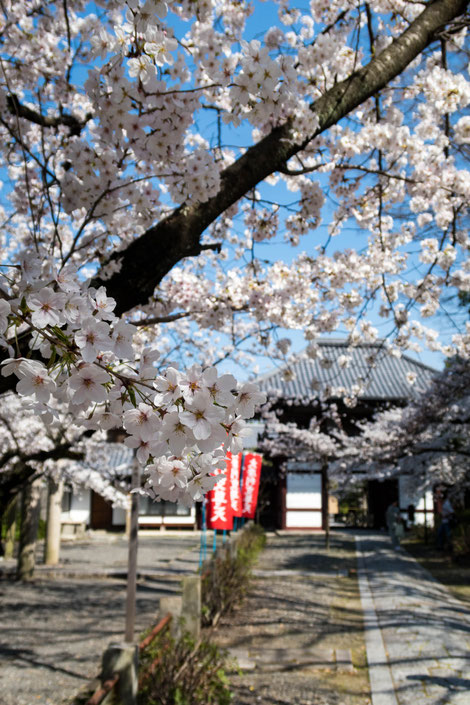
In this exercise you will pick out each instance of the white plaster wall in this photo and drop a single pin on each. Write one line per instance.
(119, 516)
(303, 491)
(150, 519)
(409, 495)
(303, 520)
(79, 508)
(252, 430)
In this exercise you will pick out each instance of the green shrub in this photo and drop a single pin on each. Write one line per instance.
(226, 581)
(187, 673)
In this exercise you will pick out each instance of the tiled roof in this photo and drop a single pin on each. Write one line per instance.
(380, 375)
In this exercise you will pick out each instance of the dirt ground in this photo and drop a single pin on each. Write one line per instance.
(455, 574)
(53, 631)
(305, 601)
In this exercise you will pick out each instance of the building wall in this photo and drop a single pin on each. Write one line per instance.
(422, 502)
(79, 511)
(79, 507)
(303, 498)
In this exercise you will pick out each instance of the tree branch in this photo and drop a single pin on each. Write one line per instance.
(13, 480)
(152, 255)
(22, 111)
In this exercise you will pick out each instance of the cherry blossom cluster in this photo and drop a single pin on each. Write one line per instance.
(141, 145)
(182, 423)
(120, 115)
(426, 440)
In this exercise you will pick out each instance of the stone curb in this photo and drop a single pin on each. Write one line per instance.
(380, 676)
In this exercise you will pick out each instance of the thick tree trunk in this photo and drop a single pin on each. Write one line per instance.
(29, 530)
(54, 511)
(10, 520)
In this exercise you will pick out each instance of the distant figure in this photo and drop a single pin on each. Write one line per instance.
(411, 515)
(393, 519)
(444, 534)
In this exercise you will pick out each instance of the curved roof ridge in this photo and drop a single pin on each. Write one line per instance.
(390, 378)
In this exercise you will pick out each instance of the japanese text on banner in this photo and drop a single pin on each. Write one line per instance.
(250, 485)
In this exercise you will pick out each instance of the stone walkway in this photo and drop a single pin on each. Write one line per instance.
(424, 631)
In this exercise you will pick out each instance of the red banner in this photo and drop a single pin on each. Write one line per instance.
(233, 472)
(219, 514)
(250, 484)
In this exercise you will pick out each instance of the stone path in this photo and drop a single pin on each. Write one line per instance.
(424, 630)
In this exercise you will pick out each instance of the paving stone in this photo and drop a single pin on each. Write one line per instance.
(344, 660)
(240, 659)
(425, 630)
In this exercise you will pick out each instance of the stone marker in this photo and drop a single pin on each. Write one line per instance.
(122, 659)
(191, 607)
(172, 605)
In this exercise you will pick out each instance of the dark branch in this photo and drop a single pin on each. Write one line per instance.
(14, 479)
(22, 111)
(162, 319)
(151, 256)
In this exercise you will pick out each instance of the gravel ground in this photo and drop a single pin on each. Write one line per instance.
(302, 600)
(53, 631)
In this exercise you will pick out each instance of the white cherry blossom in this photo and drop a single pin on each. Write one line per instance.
(92, 338)
(139, 240)
(201, 415)
(46, 306)
(86, 385)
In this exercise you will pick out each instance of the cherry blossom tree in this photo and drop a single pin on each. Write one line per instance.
(151, 153)
(32, 451)
(428, 440)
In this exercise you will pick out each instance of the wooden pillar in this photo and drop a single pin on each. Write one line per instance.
(10, 520)
(29, 530)
(283, 503)
(54, 511)
(132, 556)
(326, 504)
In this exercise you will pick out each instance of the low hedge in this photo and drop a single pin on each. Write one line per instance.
(226, 580)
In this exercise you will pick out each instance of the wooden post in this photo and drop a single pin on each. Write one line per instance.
(326, 503)
(425, 519)
(29, 530)
(327, 518)
(54, 510)
(132, 555)
(10, 517)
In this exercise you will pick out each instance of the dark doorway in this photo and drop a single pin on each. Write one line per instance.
(268, 511)
(380, 495)
(101, 512)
